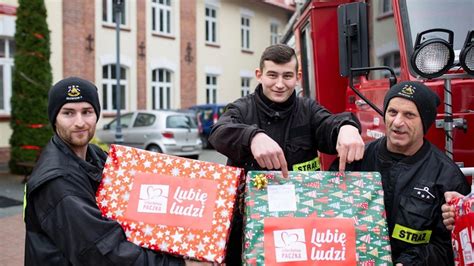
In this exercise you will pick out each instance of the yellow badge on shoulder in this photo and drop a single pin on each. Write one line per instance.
(311, 165)
(411, 236)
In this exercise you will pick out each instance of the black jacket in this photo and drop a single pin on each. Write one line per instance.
(414, 189)
(300, 126)
(64, 226)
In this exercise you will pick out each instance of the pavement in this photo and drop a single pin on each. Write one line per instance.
(12, 228)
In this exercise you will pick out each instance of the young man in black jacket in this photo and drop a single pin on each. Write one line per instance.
(415, 176)
(272, 128)
(64, 226)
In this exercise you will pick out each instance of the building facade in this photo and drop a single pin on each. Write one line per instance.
(173, 53)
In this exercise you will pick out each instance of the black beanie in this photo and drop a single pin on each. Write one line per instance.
(71, 90)
(425, 99)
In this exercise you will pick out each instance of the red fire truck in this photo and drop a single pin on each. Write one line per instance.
(429, 41)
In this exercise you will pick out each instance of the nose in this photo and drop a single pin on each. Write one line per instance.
(79, 122)
(279, 83)
(398, 121)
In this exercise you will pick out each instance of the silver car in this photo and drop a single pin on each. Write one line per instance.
(170, 132)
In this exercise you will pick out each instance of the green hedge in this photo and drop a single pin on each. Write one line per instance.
(32, 79)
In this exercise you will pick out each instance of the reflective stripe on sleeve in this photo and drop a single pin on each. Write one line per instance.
(411, 236)
(311, 165)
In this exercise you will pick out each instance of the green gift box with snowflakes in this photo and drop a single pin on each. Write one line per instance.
(315, 218)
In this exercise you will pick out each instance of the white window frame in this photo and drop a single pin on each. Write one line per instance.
(6, 65)
(110, 14)
(245, 86)
(245, 27)
(211, 88)
(108, 83)
(162, 87)
(210, 32)
(274, 36)
(162, 10)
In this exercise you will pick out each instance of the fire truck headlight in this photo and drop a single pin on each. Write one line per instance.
(432, 57)
(466, 57)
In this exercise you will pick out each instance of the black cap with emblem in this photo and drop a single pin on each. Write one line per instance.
(425, 99)
(71, 90)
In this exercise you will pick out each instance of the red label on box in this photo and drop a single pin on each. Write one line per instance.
(167, 200)
(315, 241)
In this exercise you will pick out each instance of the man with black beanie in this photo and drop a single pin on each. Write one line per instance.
(415, 176)
(64, 226)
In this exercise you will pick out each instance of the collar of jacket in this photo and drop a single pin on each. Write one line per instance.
(93, 168)
(385, 153)
(57, 160)
(272, 109)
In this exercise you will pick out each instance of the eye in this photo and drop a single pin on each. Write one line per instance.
(88, 112)
(392, 112)
(288, 76)
(410, 115)
(272, 75)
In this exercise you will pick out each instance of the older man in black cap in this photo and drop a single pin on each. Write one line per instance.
(64, 226)
(415, 175)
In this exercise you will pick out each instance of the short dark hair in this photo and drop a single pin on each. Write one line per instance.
(278, 53)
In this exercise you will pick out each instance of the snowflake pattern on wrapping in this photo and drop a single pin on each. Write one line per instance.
(113, 195)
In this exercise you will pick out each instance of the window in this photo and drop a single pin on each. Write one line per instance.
(7, 50)
(125, 121)
(245, 86)
(108, 12)
(386, 7)
(161, 16)
(392, 60)
(245, 33)
(273, 33)
(211, 89)
(144, 120)
(180, 121)
(161, 88)
(109, 87)
(211, 24)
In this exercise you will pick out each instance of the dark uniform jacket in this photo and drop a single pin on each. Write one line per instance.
(64, 226)
(414, 189)
(300, 126)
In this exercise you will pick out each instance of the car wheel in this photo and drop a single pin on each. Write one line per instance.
(154, 148)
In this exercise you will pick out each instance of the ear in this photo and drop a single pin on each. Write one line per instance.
(258, 74)
(299, 75)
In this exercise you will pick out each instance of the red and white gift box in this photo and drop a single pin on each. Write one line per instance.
(167, 203)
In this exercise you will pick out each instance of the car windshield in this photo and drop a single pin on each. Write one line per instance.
(454, 15)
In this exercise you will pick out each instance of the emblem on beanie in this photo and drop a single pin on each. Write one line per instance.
(73, 92)
(407, 91)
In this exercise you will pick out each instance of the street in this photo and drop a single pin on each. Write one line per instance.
(212, 156)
